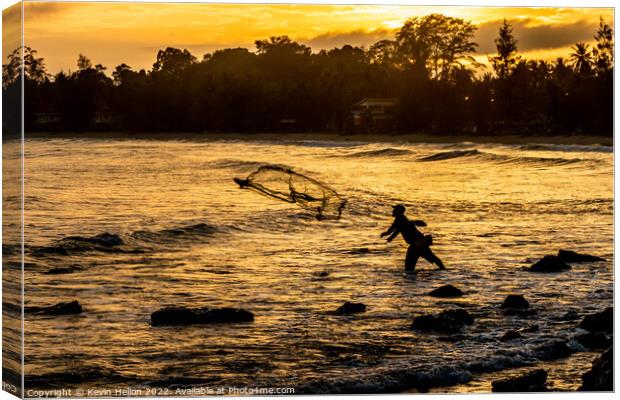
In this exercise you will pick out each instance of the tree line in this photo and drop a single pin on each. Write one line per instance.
(428, 66)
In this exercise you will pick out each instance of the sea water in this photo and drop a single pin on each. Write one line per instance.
(192, 238)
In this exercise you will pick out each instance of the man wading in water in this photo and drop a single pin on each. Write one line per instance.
(419, 244)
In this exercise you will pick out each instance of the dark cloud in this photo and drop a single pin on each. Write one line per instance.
(354, 38)
(538, 37)
(529, 36)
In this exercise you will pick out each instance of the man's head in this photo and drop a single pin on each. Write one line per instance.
(398, 210)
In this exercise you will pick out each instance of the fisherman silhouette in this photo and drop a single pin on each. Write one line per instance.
(419, 244)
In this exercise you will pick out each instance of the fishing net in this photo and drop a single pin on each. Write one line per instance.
(287, 185)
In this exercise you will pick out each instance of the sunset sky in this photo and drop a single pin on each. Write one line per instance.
(112, 34)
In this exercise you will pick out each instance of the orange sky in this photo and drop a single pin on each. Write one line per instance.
(113, 33)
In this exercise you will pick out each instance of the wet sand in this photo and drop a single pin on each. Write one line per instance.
(374, 137)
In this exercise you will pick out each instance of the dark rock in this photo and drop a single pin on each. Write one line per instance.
(449, 321)
(187, 316)
(446, 291)
(549, 264)
(600, 378)
(68, 308)
(510, 335)
(553, 351)
(599, 322)
(322, 274)
(533, 381)
(573, 257)
(515, 301)
(350, 308)
(594, 340)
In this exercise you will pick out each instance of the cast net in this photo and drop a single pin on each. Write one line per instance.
(287, 185)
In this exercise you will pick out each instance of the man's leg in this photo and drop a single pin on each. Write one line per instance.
(412, 259)
(432, 258)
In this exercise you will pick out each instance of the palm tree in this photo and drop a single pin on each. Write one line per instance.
(581, 57)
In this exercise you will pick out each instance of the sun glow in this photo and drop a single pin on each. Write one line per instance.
(132, 33)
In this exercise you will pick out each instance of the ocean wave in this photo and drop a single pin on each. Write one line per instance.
(569, 148)
(387, 152)
(103, 242)
(244, 164)
(448, 155)
(175, 234)
(133, 243)
(506, 159)
(394, 381)
(408, 376)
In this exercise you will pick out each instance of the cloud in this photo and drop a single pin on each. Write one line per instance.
(536, 37)
(530, 34)
(38, 10)
(359, 37)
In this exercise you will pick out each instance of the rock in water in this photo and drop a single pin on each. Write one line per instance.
(533, 381)
(600, 378)
(510, 335)
(549, 264)
(515, 304)
(350, 308)
(68, 308)
(187, 316)
(446, 291)
(515, 301)
(574, 257)
(599, 322)
(594, 340)
(449, 321)
(553, 351)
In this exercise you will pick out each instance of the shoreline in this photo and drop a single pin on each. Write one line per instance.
(337, 137)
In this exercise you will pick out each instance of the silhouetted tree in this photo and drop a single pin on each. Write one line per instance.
(603, 53)
(507, 57)
(581, 58)
(428, 66)
(173, 61)
(83, 63)
(434, 44)
(34, 67)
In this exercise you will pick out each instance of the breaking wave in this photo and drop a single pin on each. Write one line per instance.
(407, 376)
(132, 243)
(387, 152)
(505, 159)
(569, 148)
(244, 165)
(448, 155)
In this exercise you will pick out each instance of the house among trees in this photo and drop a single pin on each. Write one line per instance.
(47, 119)
(105, 117)
(374, 114)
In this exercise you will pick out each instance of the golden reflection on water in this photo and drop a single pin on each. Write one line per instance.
(490, 213)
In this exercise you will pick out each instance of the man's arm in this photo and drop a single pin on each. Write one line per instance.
(393, 235)
(389, 230)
